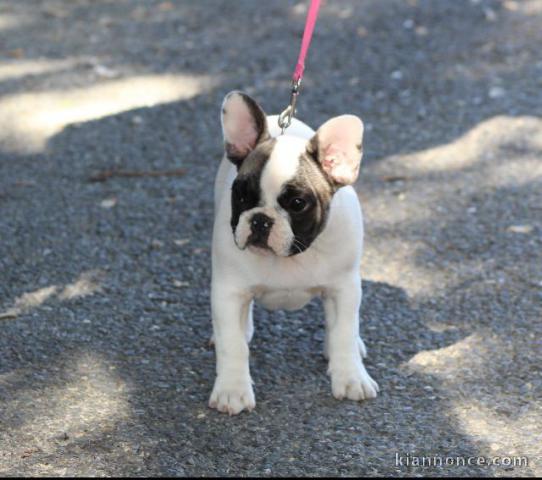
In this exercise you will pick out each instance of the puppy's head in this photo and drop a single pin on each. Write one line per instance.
(284, 185)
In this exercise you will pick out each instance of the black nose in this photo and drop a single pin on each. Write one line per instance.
(261, 224)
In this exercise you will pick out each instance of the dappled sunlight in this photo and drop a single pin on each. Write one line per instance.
(476, 146)
(94, 395)
(10, 21)
(504, 436)
(29, 301)
(404, 198)
(479, 402)
(469, 355)
(79, 404)
(21, 68)
(28, 121)
(88, 283)
(391, 260)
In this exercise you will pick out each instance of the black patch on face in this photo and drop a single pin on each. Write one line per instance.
(245, 190)
(306, 198)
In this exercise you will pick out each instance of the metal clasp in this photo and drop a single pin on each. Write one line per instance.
(285, 118)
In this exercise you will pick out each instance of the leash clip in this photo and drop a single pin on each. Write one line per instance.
(285, 118)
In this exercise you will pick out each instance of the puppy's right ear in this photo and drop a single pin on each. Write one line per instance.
(244, 125)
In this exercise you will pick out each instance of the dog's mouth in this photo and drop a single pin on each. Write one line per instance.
(260, 249)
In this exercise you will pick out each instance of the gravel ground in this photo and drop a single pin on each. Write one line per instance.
(104, 286)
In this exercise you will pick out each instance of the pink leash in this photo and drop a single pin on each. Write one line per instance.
(312, 15)
(285, 118)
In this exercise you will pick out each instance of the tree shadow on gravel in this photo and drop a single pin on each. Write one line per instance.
(421, 73)
(132, 363)
(117, 382)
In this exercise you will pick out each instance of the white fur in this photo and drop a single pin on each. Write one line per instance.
(328, 268)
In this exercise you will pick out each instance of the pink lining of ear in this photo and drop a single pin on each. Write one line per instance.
(239, 126)
(339, 141)
(337, 164)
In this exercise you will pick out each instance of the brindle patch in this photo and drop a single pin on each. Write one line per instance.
(313, 186)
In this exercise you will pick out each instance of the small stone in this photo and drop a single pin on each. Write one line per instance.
(520, 228)
(108, 203)
(496, 92)
(408, 24)
(300, 8)
(362, 32)
(396, 75)
(421, 31)
(490, 14)
(181, 242)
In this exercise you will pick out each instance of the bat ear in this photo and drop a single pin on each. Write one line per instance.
(244, 125)
(337, 146)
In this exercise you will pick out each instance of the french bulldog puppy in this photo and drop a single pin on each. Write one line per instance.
(288, 227)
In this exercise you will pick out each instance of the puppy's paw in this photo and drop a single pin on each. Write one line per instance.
(353, 382)
(232, 396)
(362, 348)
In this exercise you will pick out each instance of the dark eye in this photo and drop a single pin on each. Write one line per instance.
(297, 204)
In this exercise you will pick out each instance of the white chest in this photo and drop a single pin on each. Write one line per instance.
(287, 299)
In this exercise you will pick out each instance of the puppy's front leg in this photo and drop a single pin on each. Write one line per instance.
(232, 392)
(349, 378)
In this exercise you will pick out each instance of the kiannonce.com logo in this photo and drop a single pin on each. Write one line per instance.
(441, 461)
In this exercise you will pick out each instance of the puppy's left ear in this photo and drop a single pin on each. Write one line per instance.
(337, 146)
(244, 125)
